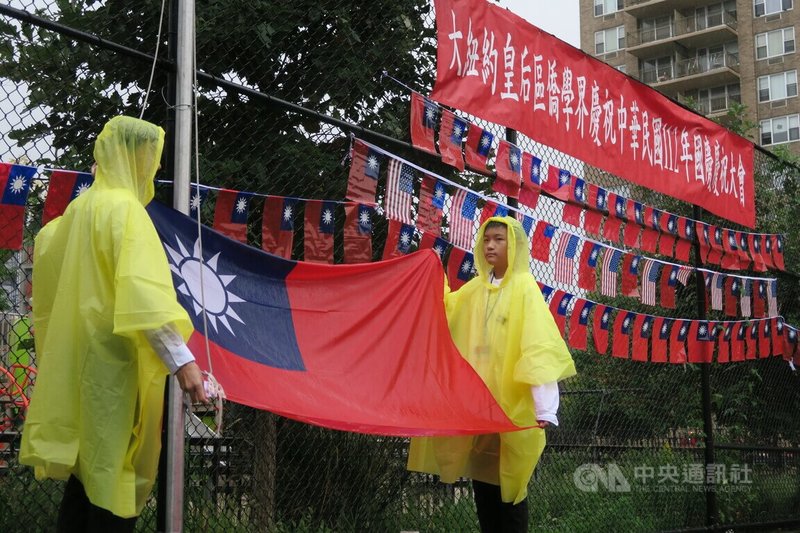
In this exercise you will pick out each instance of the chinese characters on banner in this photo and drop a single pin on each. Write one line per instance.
(493, 64)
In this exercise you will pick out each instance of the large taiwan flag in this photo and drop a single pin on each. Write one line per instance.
(362, 347)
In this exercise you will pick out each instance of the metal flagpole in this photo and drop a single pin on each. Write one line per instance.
(180, 201)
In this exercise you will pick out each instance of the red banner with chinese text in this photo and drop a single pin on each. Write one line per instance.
(495, 65)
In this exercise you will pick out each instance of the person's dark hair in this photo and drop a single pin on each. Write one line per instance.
(495, 224)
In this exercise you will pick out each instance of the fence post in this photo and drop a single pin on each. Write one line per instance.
(511, 136)
(712, 511)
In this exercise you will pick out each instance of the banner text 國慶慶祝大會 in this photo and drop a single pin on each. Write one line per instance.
(494, 65)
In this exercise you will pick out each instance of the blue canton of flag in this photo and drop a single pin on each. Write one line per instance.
(613, 265)
(663, 333)
(536, 170)
(546, 292)
(430, 114)
(457, 133)
(564, 304)
(743, 242)
(601, 199)
(672, 224)
(365, 219)
(326, 213)
(619, 207)
(82, 182)
(485, 143)
(741, 332)
(197, 199)
(579, 190)
(440, 246)
(728, 332)
(778, 243)
(705, 234)
(466, 267)
(287, 216)
(583, 318)
(735, 287)
(757, 244)
(732, 240)
(702, 331)
(469, 206)
(656, 221)
(605, 320)
(673, 275)
(689, 227)
(572, 246)
(439, 193)
(18, 185)
(500, 211)
(627, 322)
(594, 255)
(684, 331)
(407, 237)
(647, 327)
(514, 158)
(767, 329)
(718, 236)
(372, 167)
(634, 266)
(638, 213)
(527, 224)
(563, 177)
(240, 208)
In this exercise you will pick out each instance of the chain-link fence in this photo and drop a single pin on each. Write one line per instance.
(631, 451)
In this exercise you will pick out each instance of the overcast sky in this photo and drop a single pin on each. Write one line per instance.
(557, 17)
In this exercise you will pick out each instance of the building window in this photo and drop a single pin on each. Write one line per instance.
(656, 69)
(609, 40)
(716, 99)
(621, 68)
(606, 7)
(654, 29)
(769, 7)
(780, 130)
(775, 43)
(777, 86)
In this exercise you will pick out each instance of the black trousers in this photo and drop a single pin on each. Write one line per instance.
(495, 515)
(78, 515)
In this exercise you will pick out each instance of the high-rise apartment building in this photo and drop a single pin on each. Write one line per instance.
(713, 53)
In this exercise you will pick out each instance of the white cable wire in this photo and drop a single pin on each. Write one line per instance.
(155, 59)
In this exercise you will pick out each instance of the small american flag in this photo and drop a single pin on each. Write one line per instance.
(399, 191)
(744, 301)
(650, 275)
(683, 275)
(611, 260)
(717, 284)
(772, 298)
(462, 218)
(565, 258)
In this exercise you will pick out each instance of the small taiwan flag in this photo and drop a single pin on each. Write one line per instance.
(231, 212)
(16, 181)
(424, 116)
(479, 144)
(65, 186)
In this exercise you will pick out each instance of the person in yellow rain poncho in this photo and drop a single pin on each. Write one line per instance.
(107, 330)
(503, 327)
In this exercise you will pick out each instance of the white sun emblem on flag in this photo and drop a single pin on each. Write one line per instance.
(467, 266)
(372, 162)
(619, 209)
(430, 114)
(17, 185)
(664, 329)
(438, 249)
(405, 238)
(514, 159)
(457, 131)
(194, 203)
(563, 304)
(604, 320)
(645, 327)
(702, 330)
(579, 192)
(218, 298)
(584, 313)
(626, 323)
(439, 193)
(327, 216)
(363, 218)
(485, 141)
(287, 213)
(241, 205)
(683, 330)
(82, 188)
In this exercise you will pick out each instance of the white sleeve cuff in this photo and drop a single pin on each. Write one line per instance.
(169, 346)
(545, 401)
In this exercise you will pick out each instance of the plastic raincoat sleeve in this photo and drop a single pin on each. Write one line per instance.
(545, 357)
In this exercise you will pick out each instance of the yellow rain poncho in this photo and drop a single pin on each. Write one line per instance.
(509, 337)
(100, 279)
